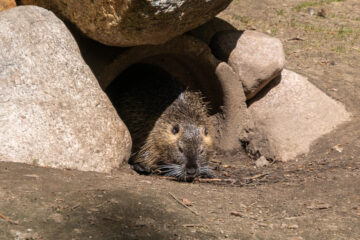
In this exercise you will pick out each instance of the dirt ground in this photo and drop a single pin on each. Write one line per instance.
(316, 196)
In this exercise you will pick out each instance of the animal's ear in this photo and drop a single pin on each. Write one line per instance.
(175, 130)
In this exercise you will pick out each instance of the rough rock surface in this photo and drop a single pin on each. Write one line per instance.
(256, 57)
(292, 113)
(134, 22)
(52, 109)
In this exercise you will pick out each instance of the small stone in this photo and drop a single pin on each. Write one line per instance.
(187, 202)
(293, 226)
(77, 231)
(311, 11)
(56, 217)
(24, 236)
(283, 225)
(261, 162)
(338, 148)
(256, 57)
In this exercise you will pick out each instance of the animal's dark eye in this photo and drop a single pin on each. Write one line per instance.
(175, 129)
(205, 131)
(180, 149)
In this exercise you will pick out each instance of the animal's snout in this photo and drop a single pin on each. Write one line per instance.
(191, 171)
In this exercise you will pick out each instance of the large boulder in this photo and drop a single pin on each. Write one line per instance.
(52, 110)
(256, 57)
(292, 113)
(134, 22)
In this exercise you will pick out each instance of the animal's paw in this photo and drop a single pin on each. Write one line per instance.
(140, 168)
(206, 172)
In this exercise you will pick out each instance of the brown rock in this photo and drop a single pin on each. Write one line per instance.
(292, 113)
(52, 109)
(133, 22)
(256, 57)
(7, 4)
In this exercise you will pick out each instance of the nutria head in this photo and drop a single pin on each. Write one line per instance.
(187, 153)
(180, 144)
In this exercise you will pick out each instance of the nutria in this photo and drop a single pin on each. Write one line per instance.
(169, 124)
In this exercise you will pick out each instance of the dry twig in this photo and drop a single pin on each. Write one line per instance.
(257, 176)
(184, 205)
(7, 219)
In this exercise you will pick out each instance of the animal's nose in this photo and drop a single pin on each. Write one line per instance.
(191, 171)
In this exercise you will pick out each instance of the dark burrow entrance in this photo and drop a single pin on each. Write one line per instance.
(141, 94)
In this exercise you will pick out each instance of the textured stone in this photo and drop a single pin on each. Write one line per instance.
(134, 22)
(293, 113)
(7, 4)
(261, 162)
(52, 109)
(256, 57)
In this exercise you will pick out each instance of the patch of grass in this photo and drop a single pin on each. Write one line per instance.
(280, 12)
(312, 4)
(339, 49)
(242, 19)
(305, 5)
(343, 32)
(313, 28)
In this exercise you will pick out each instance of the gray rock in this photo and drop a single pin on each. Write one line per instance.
(292, 113)
(133, 22)
(261, 162)
(52, 110)
(256, 57)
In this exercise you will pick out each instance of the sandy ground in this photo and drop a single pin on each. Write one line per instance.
(316, 196)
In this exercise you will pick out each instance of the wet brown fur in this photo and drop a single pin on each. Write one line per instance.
(191, 110)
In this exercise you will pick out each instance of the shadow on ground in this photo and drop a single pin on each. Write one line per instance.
(41, 203)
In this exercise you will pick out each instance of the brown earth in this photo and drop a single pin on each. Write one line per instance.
(316, 196)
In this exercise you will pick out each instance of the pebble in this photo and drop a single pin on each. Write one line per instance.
(311, 11)
(261, 162)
